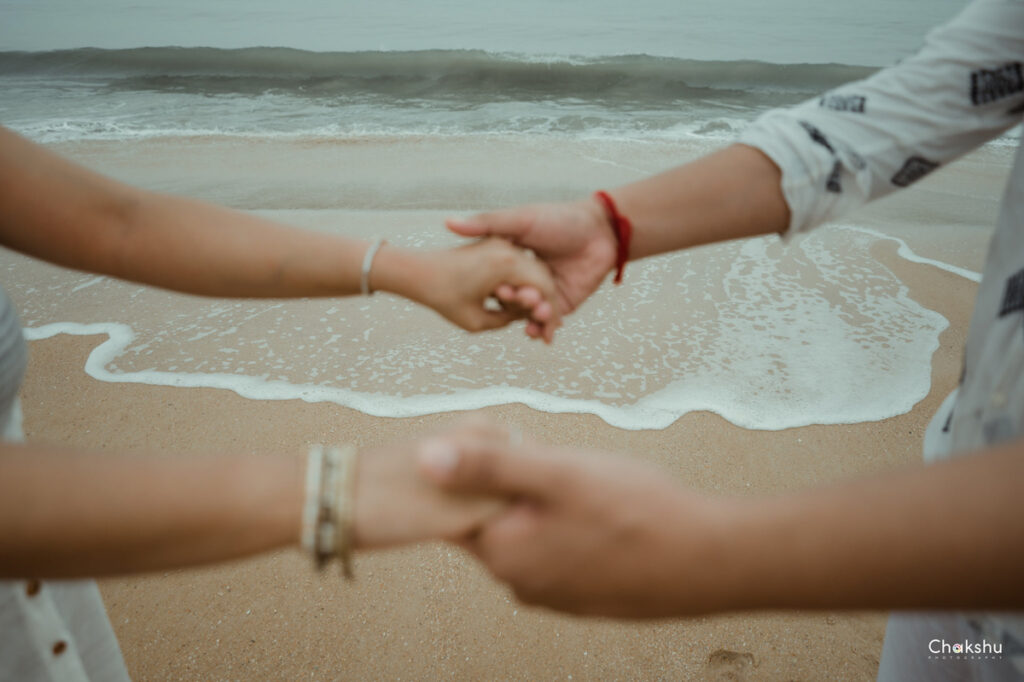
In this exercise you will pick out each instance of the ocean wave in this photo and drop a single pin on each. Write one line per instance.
(51, 131)
(714, 130)
(426, 73)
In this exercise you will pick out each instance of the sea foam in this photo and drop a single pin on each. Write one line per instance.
(769, 336)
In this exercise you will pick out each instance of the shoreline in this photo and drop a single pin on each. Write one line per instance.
(250, 348)
(430, 611)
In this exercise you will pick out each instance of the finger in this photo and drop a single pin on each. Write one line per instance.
(485, 320)
(542, 329)
(469, 515)
(512, 306)
(548, 333)
(542, 312)
(534, 286)
(511, 225)
(526, 301)
(520, 281)
(506, 293)
(528, 296)
(489, 467)
(549, 328)
(507, 542)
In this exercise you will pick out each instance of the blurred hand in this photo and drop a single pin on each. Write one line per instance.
(585, 532)
(395, 505)
(465, 277)
(573, 238)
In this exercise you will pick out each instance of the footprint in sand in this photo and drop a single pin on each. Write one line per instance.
(729, 665)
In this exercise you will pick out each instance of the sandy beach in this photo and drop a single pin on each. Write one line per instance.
(430, 612)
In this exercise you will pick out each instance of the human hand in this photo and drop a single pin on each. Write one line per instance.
(586, 533)
(573, 238)
(394, 505)
(461, 279)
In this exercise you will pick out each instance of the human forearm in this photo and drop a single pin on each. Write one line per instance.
(199, 248)
(735, 192)
(943, 536)
(594, 534)
(729, 194)
(72, 515)
(66, 214)
(68, 515)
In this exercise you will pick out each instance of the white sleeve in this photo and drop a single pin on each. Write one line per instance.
(867, 138)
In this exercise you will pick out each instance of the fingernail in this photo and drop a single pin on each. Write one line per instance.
(438, 457)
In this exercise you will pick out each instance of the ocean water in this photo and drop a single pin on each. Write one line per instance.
(304, 108)
(768, 337)
(650, 68)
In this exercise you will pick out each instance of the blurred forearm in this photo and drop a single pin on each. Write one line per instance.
(66, 214)
(946, 536)
(65, 515)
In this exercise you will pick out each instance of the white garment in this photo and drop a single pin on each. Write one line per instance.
(908, 634)
(52, 631)
(869, 138)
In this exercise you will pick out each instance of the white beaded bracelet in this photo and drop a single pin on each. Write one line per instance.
(328, 515)
(314, 471)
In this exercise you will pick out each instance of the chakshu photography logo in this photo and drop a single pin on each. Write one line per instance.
(940, 649)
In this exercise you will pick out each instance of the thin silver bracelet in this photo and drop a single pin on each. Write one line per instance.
(364, 277)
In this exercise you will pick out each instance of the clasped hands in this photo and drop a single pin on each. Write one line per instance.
(539, 261)
(577, 531)
(573, 530)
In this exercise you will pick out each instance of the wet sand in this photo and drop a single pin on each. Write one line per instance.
(430, 612)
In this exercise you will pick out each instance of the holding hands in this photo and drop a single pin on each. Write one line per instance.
(589, 533)
(583, 532)
(395, 505)
(457, 283)
(573, 238)
(577, 531)
(730, 194)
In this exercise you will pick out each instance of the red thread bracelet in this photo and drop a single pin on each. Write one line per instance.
(623, 232)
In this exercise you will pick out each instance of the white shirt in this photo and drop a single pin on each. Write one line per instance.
(866, 139)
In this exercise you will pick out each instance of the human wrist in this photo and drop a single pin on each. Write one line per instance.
(762, 554)
(601, 230)
(272, 492)
(621, 227)
(714, 556)
(401, 272)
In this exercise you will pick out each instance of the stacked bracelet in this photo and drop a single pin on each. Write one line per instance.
(327, 519)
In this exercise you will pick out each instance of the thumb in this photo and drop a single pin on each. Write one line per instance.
(511, 225)
(486, 320)
(485, 467)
